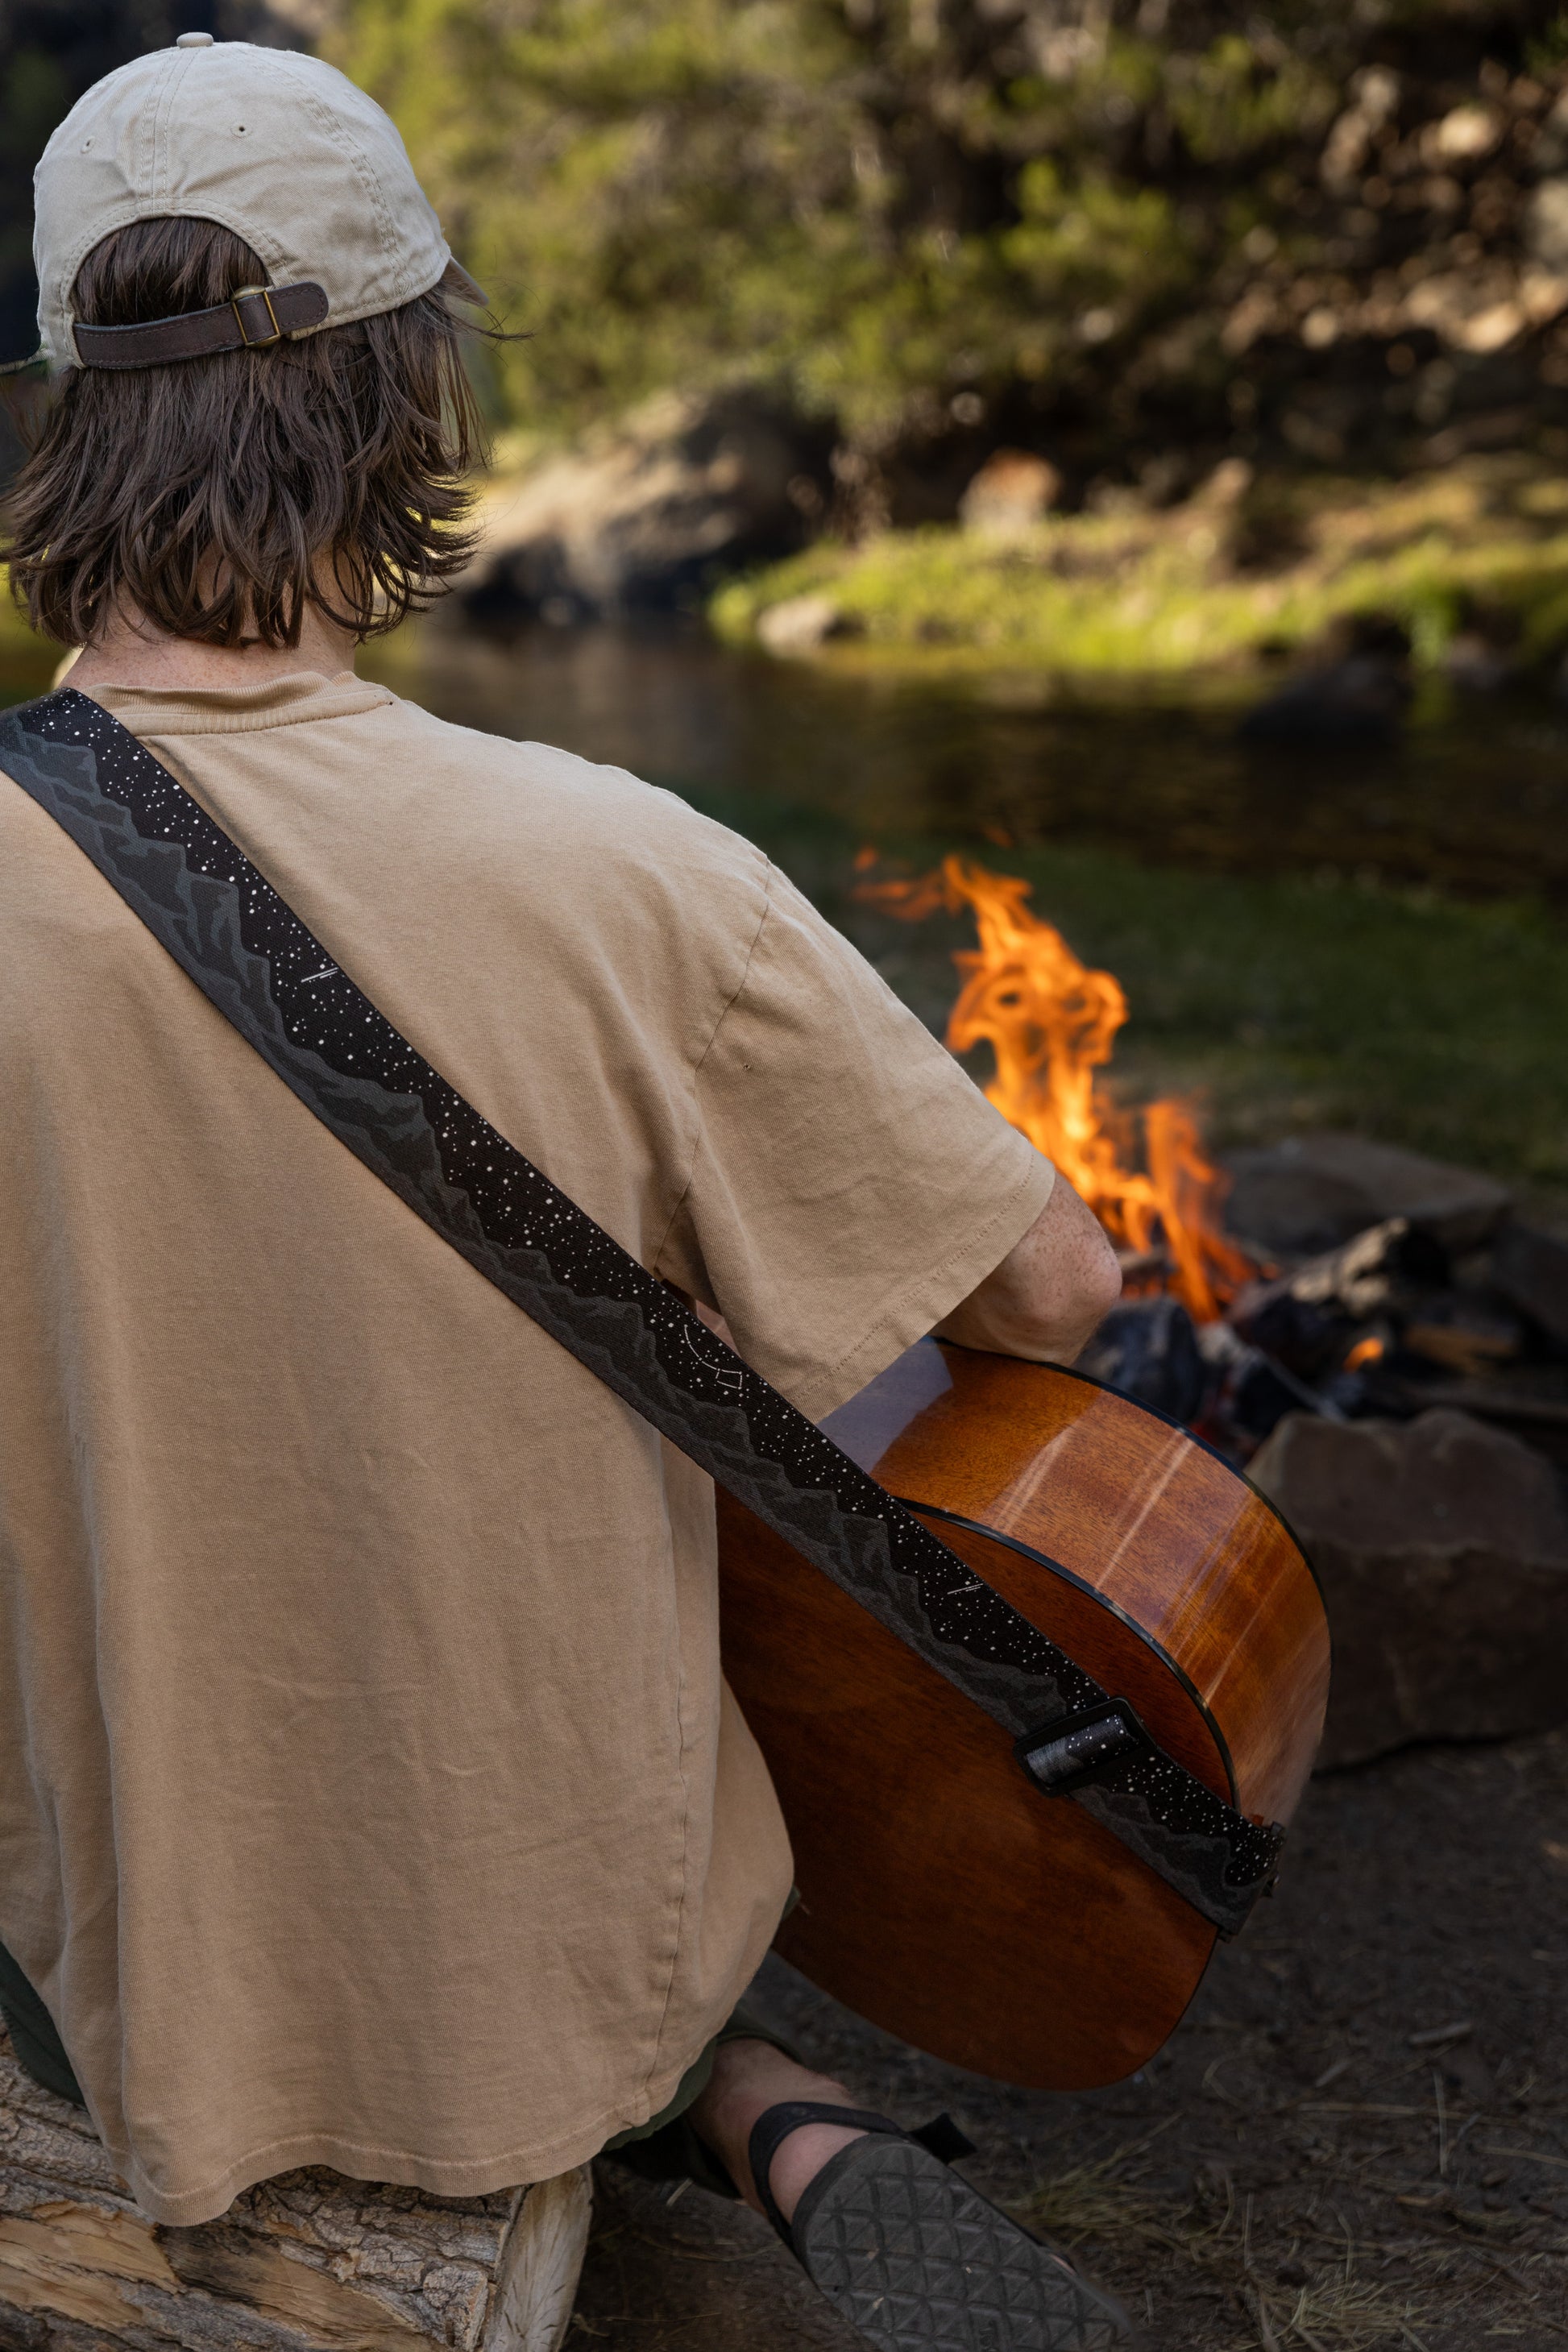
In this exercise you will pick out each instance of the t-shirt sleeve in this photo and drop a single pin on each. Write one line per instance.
(850, 1182)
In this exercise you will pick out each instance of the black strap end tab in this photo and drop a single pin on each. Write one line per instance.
(942, 2138)
(1263, 1857)
(1072, 1751)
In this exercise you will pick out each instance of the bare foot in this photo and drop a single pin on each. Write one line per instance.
(748, 2077)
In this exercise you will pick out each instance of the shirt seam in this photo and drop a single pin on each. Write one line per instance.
(685, 1778)
(769, 871)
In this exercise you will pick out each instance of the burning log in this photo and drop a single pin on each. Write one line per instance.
(1464, 1336)
(1251, 1394)
(1311, 1320)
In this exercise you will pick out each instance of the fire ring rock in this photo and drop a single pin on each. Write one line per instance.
(1315, 1191)
(1442, 1549)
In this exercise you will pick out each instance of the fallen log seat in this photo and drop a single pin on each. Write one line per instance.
(308, 2263)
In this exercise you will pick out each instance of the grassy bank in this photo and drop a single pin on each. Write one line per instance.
(1217, 582)
(1289, 1003)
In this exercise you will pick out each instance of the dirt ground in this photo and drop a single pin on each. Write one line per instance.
(1358, 2138)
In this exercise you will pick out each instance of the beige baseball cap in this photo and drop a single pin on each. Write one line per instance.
(279, 147)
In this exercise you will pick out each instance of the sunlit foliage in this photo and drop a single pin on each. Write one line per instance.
(891, 209)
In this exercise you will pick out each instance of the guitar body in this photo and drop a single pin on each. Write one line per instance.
(942, 1895)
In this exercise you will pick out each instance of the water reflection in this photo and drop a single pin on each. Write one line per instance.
(1474, 800)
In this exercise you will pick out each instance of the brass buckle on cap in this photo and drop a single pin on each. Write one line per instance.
(255, 342)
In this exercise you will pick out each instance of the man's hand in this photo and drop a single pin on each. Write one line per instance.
(1049, 1291)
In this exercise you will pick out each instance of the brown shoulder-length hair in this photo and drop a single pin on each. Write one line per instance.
(222, 497)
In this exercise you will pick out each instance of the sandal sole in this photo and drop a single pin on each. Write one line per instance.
(919, 2261)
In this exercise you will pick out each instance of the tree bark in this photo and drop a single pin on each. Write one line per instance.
(311, 2261)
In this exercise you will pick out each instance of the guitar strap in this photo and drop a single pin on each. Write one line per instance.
(252, 957)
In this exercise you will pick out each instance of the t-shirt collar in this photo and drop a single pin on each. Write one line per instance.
(286, 701)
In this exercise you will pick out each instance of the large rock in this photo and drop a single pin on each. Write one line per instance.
(1313, 1192)
(1442, 1549)
(1531, 1270)
(644, 515)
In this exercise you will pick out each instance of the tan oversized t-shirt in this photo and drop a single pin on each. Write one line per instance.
(369, 1795)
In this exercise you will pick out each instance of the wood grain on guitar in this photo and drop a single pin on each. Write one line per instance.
(944, 1896)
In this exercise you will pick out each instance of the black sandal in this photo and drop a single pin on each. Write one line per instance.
(913, 2257)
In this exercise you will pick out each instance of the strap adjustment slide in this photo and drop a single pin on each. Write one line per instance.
(251, 295)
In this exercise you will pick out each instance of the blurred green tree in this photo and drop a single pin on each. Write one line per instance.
(924, 216)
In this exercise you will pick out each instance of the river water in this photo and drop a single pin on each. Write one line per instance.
(1474, 800)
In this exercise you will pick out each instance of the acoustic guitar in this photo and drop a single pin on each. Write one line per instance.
(941, 1898)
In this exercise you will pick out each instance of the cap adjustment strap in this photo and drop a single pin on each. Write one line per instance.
(256, 318)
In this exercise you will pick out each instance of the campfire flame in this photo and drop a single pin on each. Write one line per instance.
(1051, 1024)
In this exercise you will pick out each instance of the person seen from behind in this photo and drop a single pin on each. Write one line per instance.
(370, 1793)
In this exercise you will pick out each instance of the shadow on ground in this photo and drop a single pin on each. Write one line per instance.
(1358, 2138)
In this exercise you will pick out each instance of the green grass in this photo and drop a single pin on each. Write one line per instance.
(1289, 1003)
(1204, 586)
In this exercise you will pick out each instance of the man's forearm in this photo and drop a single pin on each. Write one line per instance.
(1049, 1293)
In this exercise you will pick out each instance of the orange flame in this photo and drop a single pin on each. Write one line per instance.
(1365, 1351)
(1051, 1022)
